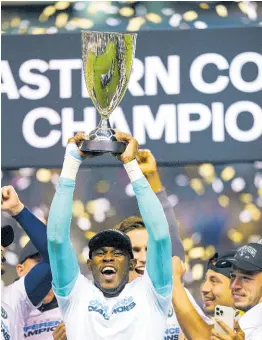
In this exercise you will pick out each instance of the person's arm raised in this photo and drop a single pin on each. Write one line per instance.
(158, 264)
(37, 282)
(191, 323)
(63, 260)
(148, 165)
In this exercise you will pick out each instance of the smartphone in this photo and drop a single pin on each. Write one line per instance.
(225, 314)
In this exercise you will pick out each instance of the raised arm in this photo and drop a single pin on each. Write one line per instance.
(194, 326)
(63, 260)
(148, 165)
(37, 282)
(158, 264)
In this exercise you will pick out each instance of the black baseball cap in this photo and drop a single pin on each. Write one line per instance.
(248, 258)
(7, 235)
(110, 238)
(223, 256)
(28, 251)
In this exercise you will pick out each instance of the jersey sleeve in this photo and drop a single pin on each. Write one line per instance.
(158, 263)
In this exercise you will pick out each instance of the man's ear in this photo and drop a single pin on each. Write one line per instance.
(19, 270)
(132, 264)
(89, 265)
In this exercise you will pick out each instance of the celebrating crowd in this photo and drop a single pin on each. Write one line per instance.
(137, 291)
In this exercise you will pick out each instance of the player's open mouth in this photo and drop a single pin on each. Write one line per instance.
(140, 270)
(108, 272)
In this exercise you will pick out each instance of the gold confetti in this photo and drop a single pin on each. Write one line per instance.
(43, 17)
(190, 15)
(197, 185)
(126, 11)
(221, 10)
(196, 252)
(49, 10)
(243, 6)
(188, 243)
(61, 20)
(61, 5)
(254, 211)
(89, 234)
(235, 236)
(203, 5)
(78, 208)
(153, 17)
(228, 173)
(15, 21)
(42, 175)
(223, 200)
(246, 198)
(135, 24)
(197, 271)
(81, 23)
(38, 30)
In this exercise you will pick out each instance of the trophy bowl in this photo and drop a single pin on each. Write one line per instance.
(107, 63)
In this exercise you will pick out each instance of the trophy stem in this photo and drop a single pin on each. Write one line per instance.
(104, 124)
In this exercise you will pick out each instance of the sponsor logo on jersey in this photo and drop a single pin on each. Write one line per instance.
(124, 305)
(39, 328)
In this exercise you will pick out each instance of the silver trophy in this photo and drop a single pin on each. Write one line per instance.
(107, 62)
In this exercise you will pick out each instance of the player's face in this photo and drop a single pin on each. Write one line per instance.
(139, 238)
(246, 289)
(2, 260)
(215, 290)
(110, 268)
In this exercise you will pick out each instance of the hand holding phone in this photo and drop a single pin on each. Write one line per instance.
(227, 315)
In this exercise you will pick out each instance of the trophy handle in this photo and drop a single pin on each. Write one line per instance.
(102, 140)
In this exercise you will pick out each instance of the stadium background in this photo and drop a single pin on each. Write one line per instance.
(217, 206)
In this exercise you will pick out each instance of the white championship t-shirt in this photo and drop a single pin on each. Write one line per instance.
(138, 312)
(16, 298)
(251, 323)
(9, 329)
(173, 329)
(41, 325)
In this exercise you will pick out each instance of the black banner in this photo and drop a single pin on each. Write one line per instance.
(194, 96)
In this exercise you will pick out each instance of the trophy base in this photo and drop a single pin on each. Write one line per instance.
(103, 146)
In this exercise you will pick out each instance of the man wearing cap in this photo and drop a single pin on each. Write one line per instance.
(43, 321)
(9, 329)
(24, 294)
(246, 287)
(215, 290)
(110, 307)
